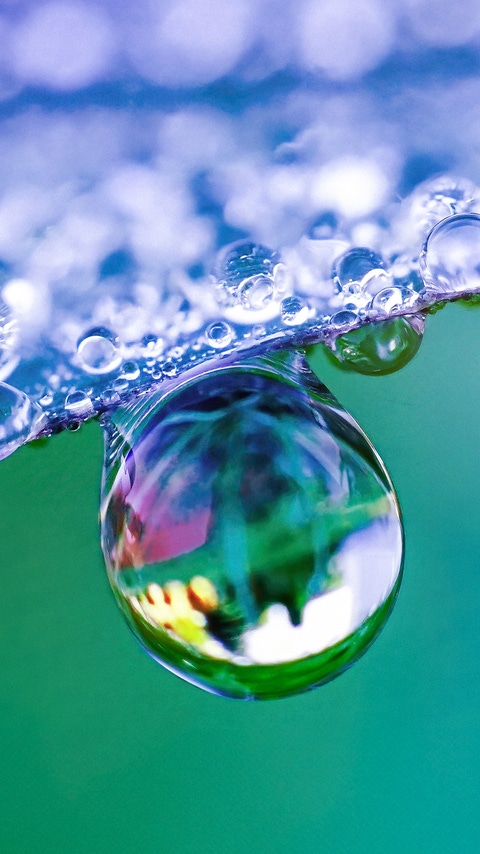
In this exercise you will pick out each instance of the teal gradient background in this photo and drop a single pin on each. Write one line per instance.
(102, 750)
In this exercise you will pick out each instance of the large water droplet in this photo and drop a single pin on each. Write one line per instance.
(19, 418)
(251, 533)
(450, 260)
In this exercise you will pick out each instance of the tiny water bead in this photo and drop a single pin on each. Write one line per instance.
(251, 533)
(97, 351)
(78, 403)
(450, 260)
(248, 274)
(355, 264)
(294, 311)
(256, 292)
(130, 370)
(380, 348)
(219, 334)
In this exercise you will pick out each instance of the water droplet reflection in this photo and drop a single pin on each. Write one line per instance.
(251, 534)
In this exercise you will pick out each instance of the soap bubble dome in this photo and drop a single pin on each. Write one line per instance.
(185, 181)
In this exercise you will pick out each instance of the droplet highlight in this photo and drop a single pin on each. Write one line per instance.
(219, 334)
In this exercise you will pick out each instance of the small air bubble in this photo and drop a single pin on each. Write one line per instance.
(294, 311)
(98, 352)
(219, 334)
(169, 369)
(78, 403)
(130, 371)
(256, 292)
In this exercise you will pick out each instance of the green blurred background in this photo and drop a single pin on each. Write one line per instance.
(102, 750)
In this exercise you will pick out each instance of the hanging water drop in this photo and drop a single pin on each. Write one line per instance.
(251, 534)
(219, 334)
(379, 348)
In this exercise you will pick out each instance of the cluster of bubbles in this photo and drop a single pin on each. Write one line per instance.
(367, 308)
(193, 181)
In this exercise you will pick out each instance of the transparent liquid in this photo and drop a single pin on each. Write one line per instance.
(251, 534)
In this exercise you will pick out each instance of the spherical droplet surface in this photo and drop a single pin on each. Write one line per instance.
(219, 334)
(251, 533)
(450, 260)
(380, 348)
(355, 264)
(256, 292)
(98, 352)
